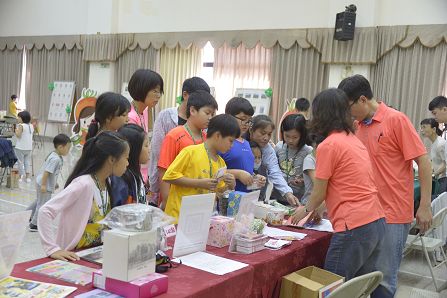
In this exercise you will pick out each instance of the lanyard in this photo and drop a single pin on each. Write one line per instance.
(188, 130)
(209, 159)
(139, 116)
(287, 162)
(140, 192)
(104, 202)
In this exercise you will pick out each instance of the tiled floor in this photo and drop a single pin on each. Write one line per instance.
(414, 272)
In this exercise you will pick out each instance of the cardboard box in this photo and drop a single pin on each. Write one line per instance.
(147, 286)
(309, 282)
(12, 180)
(221, 231)
(128, 255)
(234, 199)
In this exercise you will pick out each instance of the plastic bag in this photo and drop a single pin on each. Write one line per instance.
(136, 218)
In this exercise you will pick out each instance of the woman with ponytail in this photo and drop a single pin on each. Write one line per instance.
(111, 112)
(85, 200)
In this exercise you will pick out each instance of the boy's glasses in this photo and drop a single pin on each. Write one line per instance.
(244, 122)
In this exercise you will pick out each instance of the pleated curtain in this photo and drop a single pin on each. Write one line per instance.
(295, 72)
(176, 65)
(240, 67)
(10, 75)
(44, 66)
(409, 78)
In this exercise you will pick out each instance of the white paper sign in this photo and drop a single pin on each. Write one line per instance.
(12, 230)
(210, 263)
(194, 224)
(169, 231)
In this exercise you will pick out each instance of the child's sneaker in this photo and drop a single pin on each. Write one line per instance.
(32, 228)
(21, 179)
(28, 180)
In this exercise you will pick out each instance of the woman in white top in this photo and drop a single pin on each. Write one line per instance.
(430, 130)
(24, 145)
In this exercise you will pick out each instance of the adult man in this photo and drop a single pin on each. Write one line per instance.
(393, 144)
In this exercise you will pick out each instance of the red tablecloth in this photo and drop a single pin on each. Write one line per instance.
(260, 279)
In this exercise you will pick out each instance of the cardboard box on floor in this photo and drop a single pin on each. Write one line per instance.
(309, 282)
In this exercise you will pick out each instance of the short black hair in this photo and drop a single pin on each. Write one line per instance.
(225, 124)
(238, 105)
(195, 84)
(200, 99)
(433, 124)
(437, 102)
(302, 104)
(356, 86)
(143, 81)
(13, 97)
(297, 122)
(61, 139)
(253, 144)
(25, 116)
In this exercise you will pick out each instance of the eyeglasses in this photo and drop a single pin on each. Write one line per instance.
(244, 122)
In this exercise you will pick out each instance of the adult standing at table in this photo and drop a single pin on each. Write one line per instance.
(12, 111)
(393, 144)
(344, 180)
(145, 87)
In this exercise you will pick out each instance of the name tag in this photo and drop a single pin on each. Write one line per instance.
(169, 231)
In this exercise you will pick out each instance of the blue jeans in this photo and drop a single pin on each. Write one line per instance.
(394, 238)
(355, 252)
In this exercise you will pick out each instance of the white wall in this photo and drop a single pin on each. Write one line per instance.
(56, 17)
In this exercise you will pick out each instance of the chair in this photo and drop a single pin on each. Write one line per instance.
(428, 244)
(358, 287)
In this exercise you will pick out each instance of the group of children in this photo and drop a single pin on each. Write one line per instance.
(323, 164)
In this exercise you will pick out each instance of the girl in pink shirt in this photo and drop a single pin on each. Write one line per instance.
(145, 87)
(85, 200)
(344, 181)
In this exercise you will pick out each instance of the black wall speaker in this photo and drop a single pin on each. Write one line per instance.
(345, 25)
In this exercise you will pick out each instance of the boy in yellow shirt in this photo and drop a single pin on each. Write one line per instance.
(194, 170)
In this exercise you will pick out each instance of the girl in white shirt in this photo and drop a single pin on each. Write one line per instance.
(24, 145)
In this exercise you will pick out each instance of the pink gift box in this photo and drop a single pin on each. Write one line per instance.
(150, 285)
(221, 230)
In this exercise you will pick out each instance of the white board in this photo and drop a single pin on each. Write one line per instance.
(257, 98)
(62, 95)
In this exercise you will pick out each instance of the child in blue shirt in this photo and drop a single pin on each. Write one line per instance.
(240, 159)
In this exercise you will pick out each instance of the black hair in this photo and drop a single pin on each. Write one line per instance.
(108, 105)
(433, 124)
(95, 153)
(437, 102)
(330, 112)
(238, 105)
(200, 99)
(297, 122)
(135, 136)
(194, 84)
(255, 145)
(143, 81)
(61, 139)
(25, 116)
(302, 104)
(314, 138)
(225, 124)
(13, 97)
(259, 122)
(356, 86)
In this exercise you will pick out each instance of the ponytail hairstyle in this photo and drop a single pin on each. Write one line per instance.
(259, 122)
(135, 136)
(108, 106)
(95, 153)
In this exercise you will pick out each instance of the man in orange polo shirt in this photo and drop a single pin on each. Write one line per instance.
(393, 144)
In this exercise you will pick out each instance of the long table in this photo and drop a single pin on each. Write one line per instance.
(262, 278)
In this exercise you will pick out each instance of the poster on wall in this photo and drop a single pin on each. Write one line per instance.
(61, 97)
(257, 98)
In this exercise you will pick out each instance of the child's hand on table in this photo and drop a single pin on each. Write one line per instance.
(65, 255)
